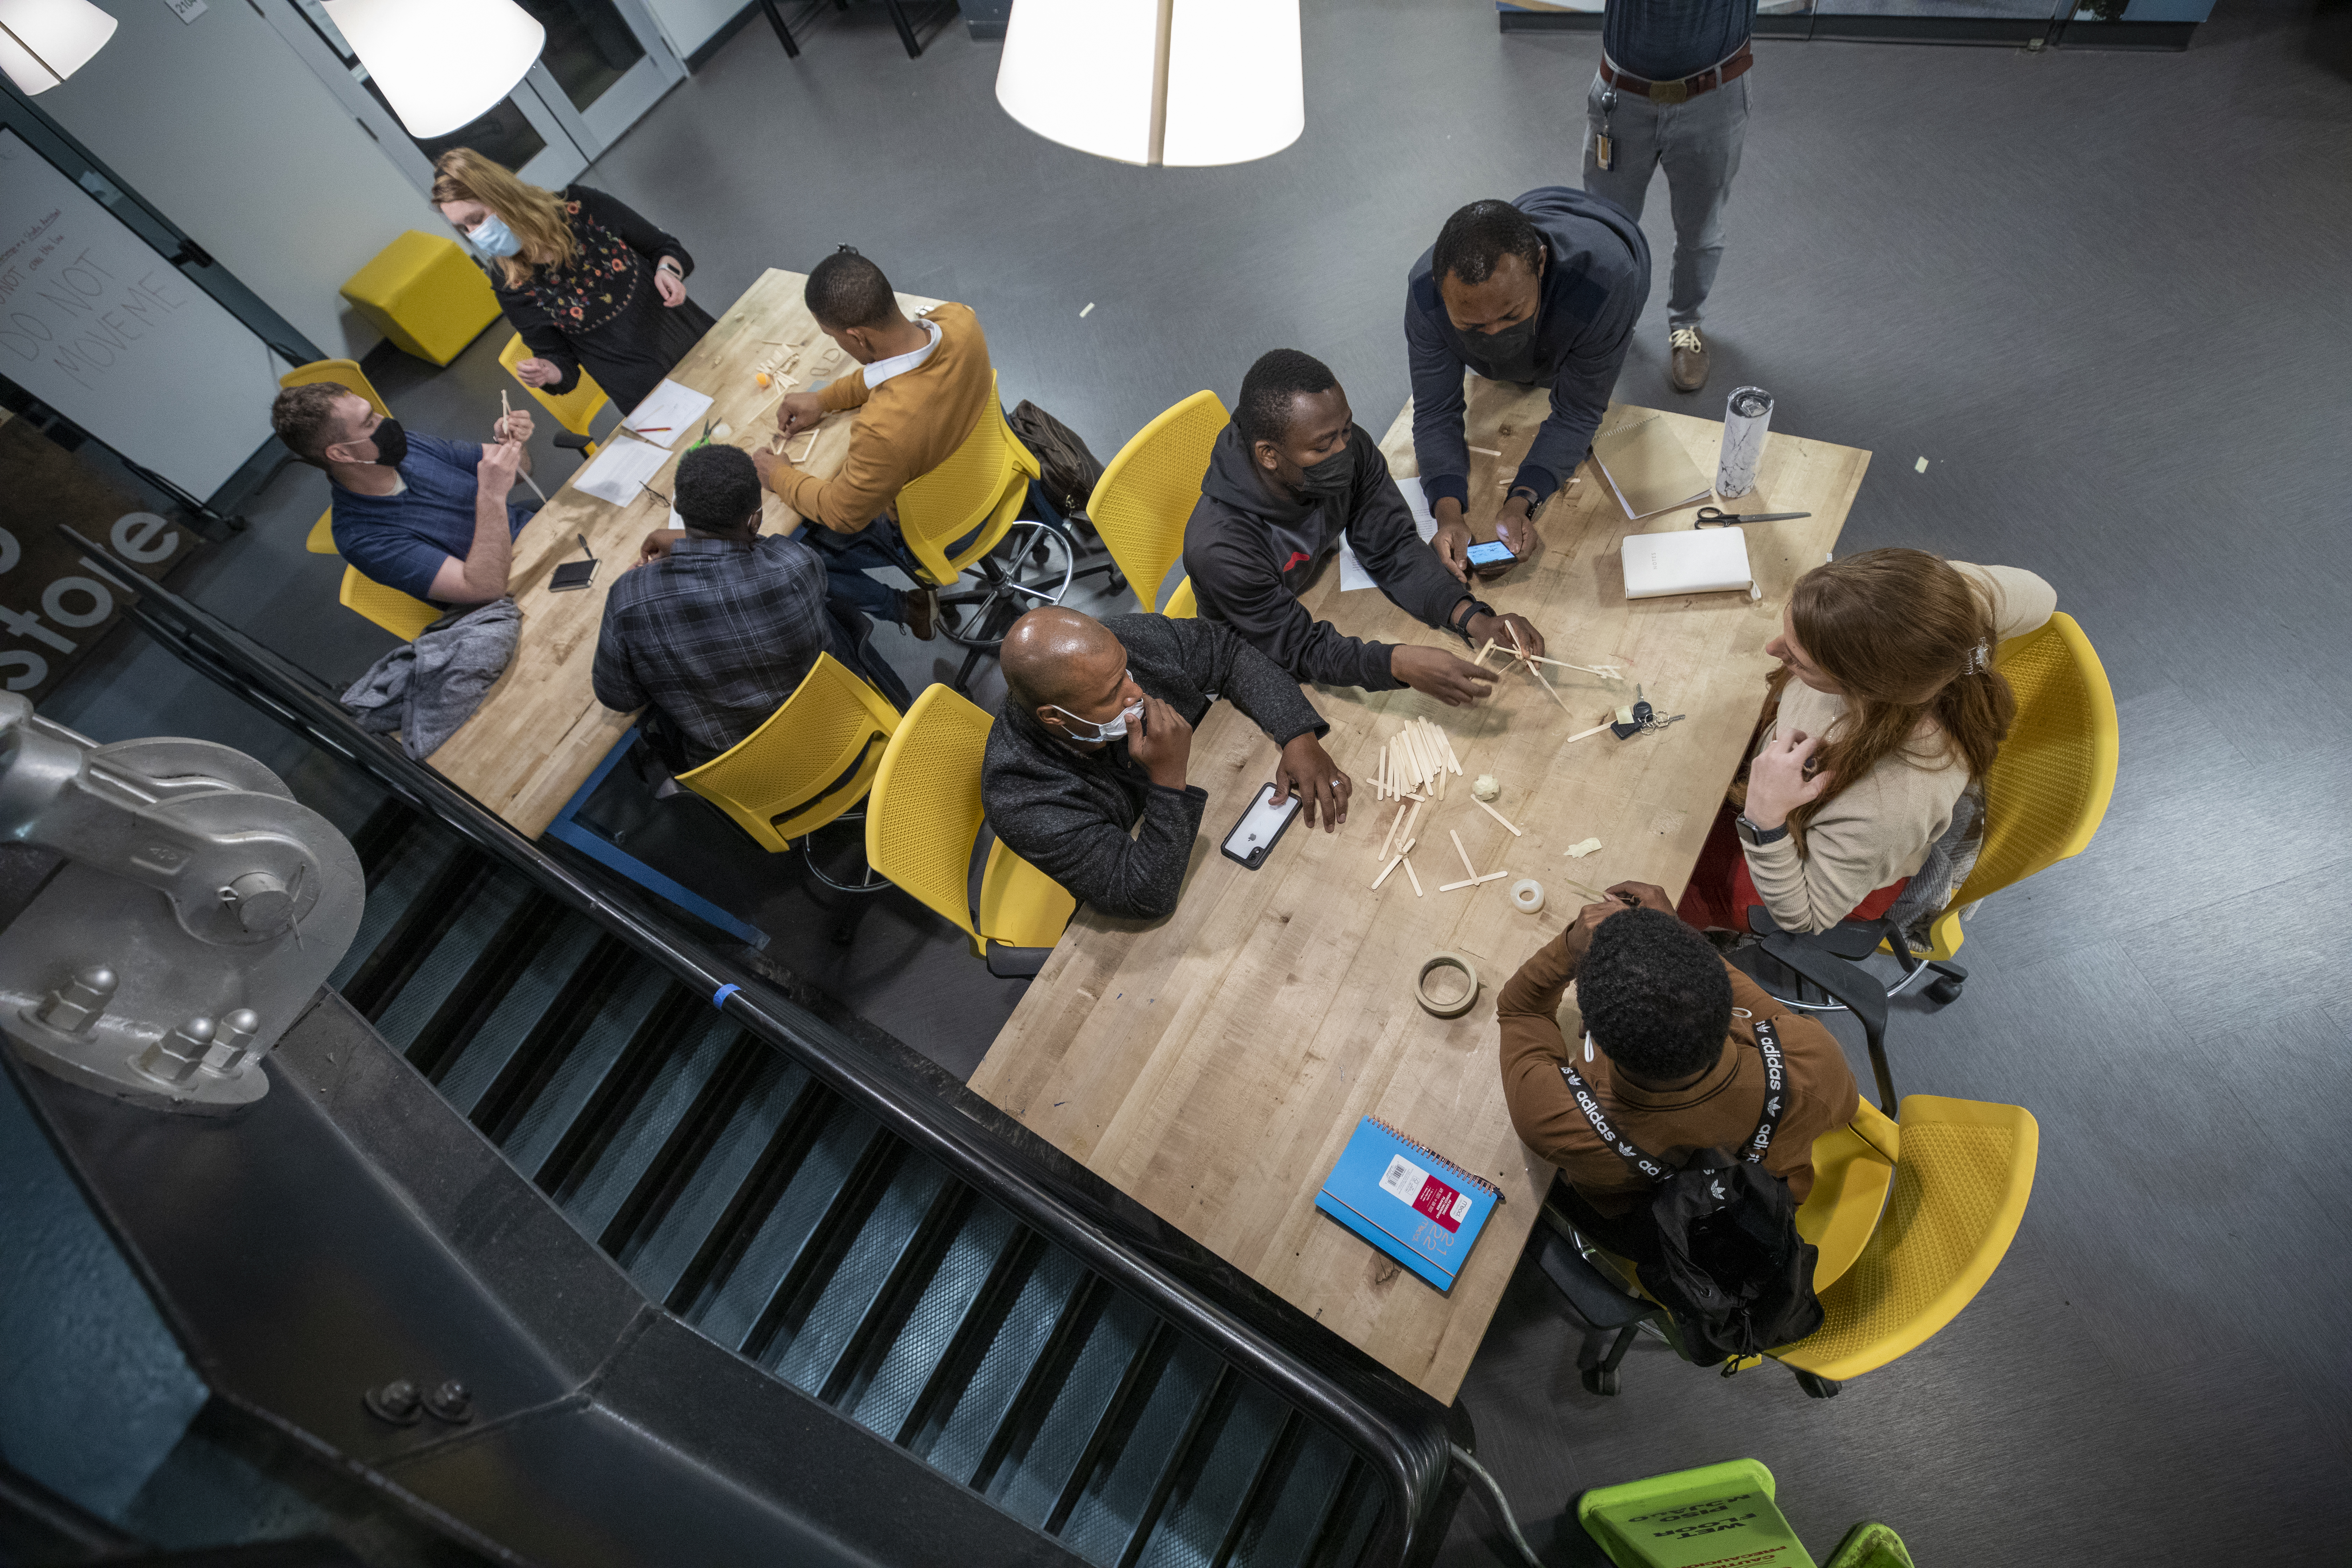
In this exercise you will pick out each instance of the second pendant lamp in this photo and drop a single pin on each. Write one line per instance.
(1175, 82)
(442, 64)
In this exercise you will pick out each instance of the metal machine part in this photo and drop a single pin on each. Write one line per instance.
(199, 910)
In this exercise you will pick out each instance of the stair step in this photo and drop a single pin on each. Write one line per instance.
(841, 1303)
(600, 1190)
(546, 975)
(1129, 1477)
(1227, 1456)
(925, 1340)
(1300, 1500)
(451, 960)
(1060, 1417)
(784, 1226)
(546, 1115)
(409, 866)
(1008, 1345)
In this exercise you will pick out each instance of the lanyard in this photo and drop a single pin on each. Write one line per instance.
(1776, 1100)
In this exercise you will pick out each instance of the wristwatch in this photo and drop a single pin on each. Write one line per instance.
(1460, 626)
(1757, 838)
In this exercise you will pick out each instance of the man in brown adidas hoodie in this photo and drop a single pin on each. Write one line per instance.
(1669, 1047)
(919, 389)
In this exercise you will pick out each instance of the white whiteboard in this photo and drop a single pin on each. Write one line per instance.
(98, 326)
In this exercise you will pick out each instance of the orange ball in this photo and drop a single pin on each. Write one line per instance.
(762, 378)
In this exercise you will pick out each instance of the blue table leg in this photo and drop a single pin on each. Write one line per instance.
(570, 828)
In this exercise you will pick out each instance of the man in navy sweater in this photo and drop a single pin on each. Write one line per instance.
(1671, 92)
(1544, 291)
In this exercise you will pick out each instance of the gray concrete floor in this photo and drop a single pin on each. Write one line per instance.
(2103, 294)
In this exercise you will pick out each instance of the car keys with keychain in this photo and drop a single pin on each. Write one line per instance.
(1604, 150)
(1645, 719)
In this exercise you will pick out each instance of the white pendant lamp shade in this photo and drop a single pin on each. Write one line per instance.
(441, 63)
(42, 42)
(1182, 83)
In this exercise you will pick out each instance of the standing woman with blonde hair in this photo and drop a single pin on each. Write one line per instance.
(586, 281)
(1886, 711)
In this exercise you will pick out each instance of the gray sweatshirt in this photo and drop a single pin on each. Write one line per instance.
(1072, 813)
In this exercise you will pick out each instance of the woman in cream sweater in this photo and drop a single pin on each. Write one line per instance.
(1886, 709)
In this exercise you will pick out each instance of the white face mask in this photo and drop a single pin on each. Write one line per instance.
(1110, 728)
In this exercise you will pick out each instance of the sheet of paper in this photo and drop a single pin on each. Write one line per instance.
(619, 472)
(1352, 575)
(1647, 469)
(670, 411)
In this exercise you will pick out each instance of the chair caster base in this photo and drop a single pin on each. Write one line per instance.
(1600, 1379)
(1943, 993)
(1817, 1387)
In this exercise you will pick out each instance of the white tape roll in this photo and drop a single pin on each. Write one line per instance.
(1527, 896)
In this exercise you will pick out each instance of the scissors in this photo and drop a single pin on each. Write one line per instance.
(1714, 517)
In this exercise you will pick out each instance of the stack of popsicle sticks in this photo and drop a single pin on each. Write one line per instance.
(1411, 770)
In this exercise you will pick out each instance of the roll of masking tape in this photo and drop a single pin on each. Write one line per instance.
(1456, 1006)
(1527, 896)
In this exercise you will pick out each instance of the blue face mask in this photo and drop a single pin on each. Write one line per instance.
(491, 236)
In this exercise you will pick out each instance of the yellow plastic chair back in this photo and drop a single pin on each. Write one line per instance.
(812, 759)
(1180, 606)
(575, 410)
(390, 608)
(1965, 1171)
(979, 485)
(1141, 504)
(2049, 788)
(320, 540)
(339, 372)
(926, 815)
(1853, 1166)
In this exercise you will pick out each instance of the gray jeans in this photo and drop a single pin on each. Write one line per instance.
(1699, 142)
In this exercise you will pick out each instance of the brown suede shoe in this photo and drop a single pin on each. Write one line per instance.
(923, 613)
(1689, 371)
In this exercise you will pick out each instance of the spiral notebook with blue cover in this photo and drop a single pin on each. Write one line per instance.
(1409, 1201)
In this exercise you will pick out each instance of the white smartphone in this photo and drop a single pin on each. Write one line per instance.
(1251, 839)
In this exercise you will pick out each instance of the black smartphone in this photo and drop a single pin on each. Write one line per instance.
(571, 574)
(1491, 558)
(1253, 837)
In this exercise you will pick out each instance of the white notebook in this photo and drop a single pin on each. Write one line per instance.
(1686, 561)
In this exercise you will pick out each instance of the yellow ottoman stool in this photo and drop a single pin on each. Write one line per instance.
(425, 294)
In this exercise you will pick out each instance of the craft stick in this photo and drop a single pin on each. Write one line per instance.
(1582, 733)
(1494, 876)
(1410, 875)
(807, 449)
(1395, 822)
(1487, 451)
(1384, 872)
(1449, 886)
(1468, 869)
(1412, 821)
(1609, 671)
(1445, 744)
(1515, 640)
(1497, 817)
(1406, 848)
(1481, 660)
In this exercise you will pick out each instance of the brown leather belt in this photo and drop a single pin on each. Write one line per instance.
(1690, 87)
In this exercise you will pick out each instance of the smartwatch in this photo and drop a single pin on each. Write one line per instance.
(1755, 837)
(1460, 626)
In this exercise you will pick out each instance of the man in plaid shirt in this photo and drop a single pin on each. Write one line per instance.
(713, 628)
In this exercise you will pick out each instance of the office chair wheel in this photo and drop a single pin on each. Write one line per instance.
(1602, 1380)
(1944, 992)
(1118, 581)
(1817, 1387)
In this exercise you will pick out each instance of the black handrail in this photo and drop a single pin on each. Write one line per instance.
(1397, 1427)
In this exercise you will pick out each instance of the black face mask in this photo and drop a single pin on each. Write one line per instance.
(1329, 480)
(391, 443)
(1510, 344)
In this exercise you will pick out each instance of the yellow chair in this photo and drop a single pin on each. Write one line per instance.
(390, 608)
(925, 818)
(1180, 604)
(2048, 788)
(811, 759)
(426, 294)
(1852, 1167)
(1141, 504)
(575, 410)
(979, 487)
(1961, 1181)
(341, 372)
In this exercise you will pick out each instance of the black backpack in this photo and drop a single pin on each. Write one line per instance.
(1071, 471)
(1737, 1276)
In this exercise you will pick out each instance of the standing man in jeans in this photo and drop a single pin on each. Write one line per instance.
(1672, 91)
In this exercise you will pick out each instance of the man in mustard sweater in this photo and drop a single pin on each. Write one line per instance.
(921, 387)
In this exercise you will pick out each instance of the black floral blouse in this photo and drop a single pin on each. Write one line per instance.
(600, 311)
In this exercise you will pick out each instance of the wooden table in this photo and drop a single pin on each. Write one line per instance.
(1214, 1065)
(540, 731)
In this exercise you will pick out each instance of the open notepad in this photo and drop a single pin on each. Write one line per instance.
(1646, 468)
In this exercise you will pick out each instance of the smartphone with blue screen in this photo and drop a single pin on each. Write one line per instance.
(1491, 558)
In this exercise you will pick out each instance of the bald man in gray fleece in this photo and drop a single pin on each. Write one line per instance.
(1095, 737)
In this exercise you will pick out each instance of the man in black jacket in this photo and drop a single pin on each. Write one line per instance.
(1288, 476)
(1095, 737)
(1543, 291)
